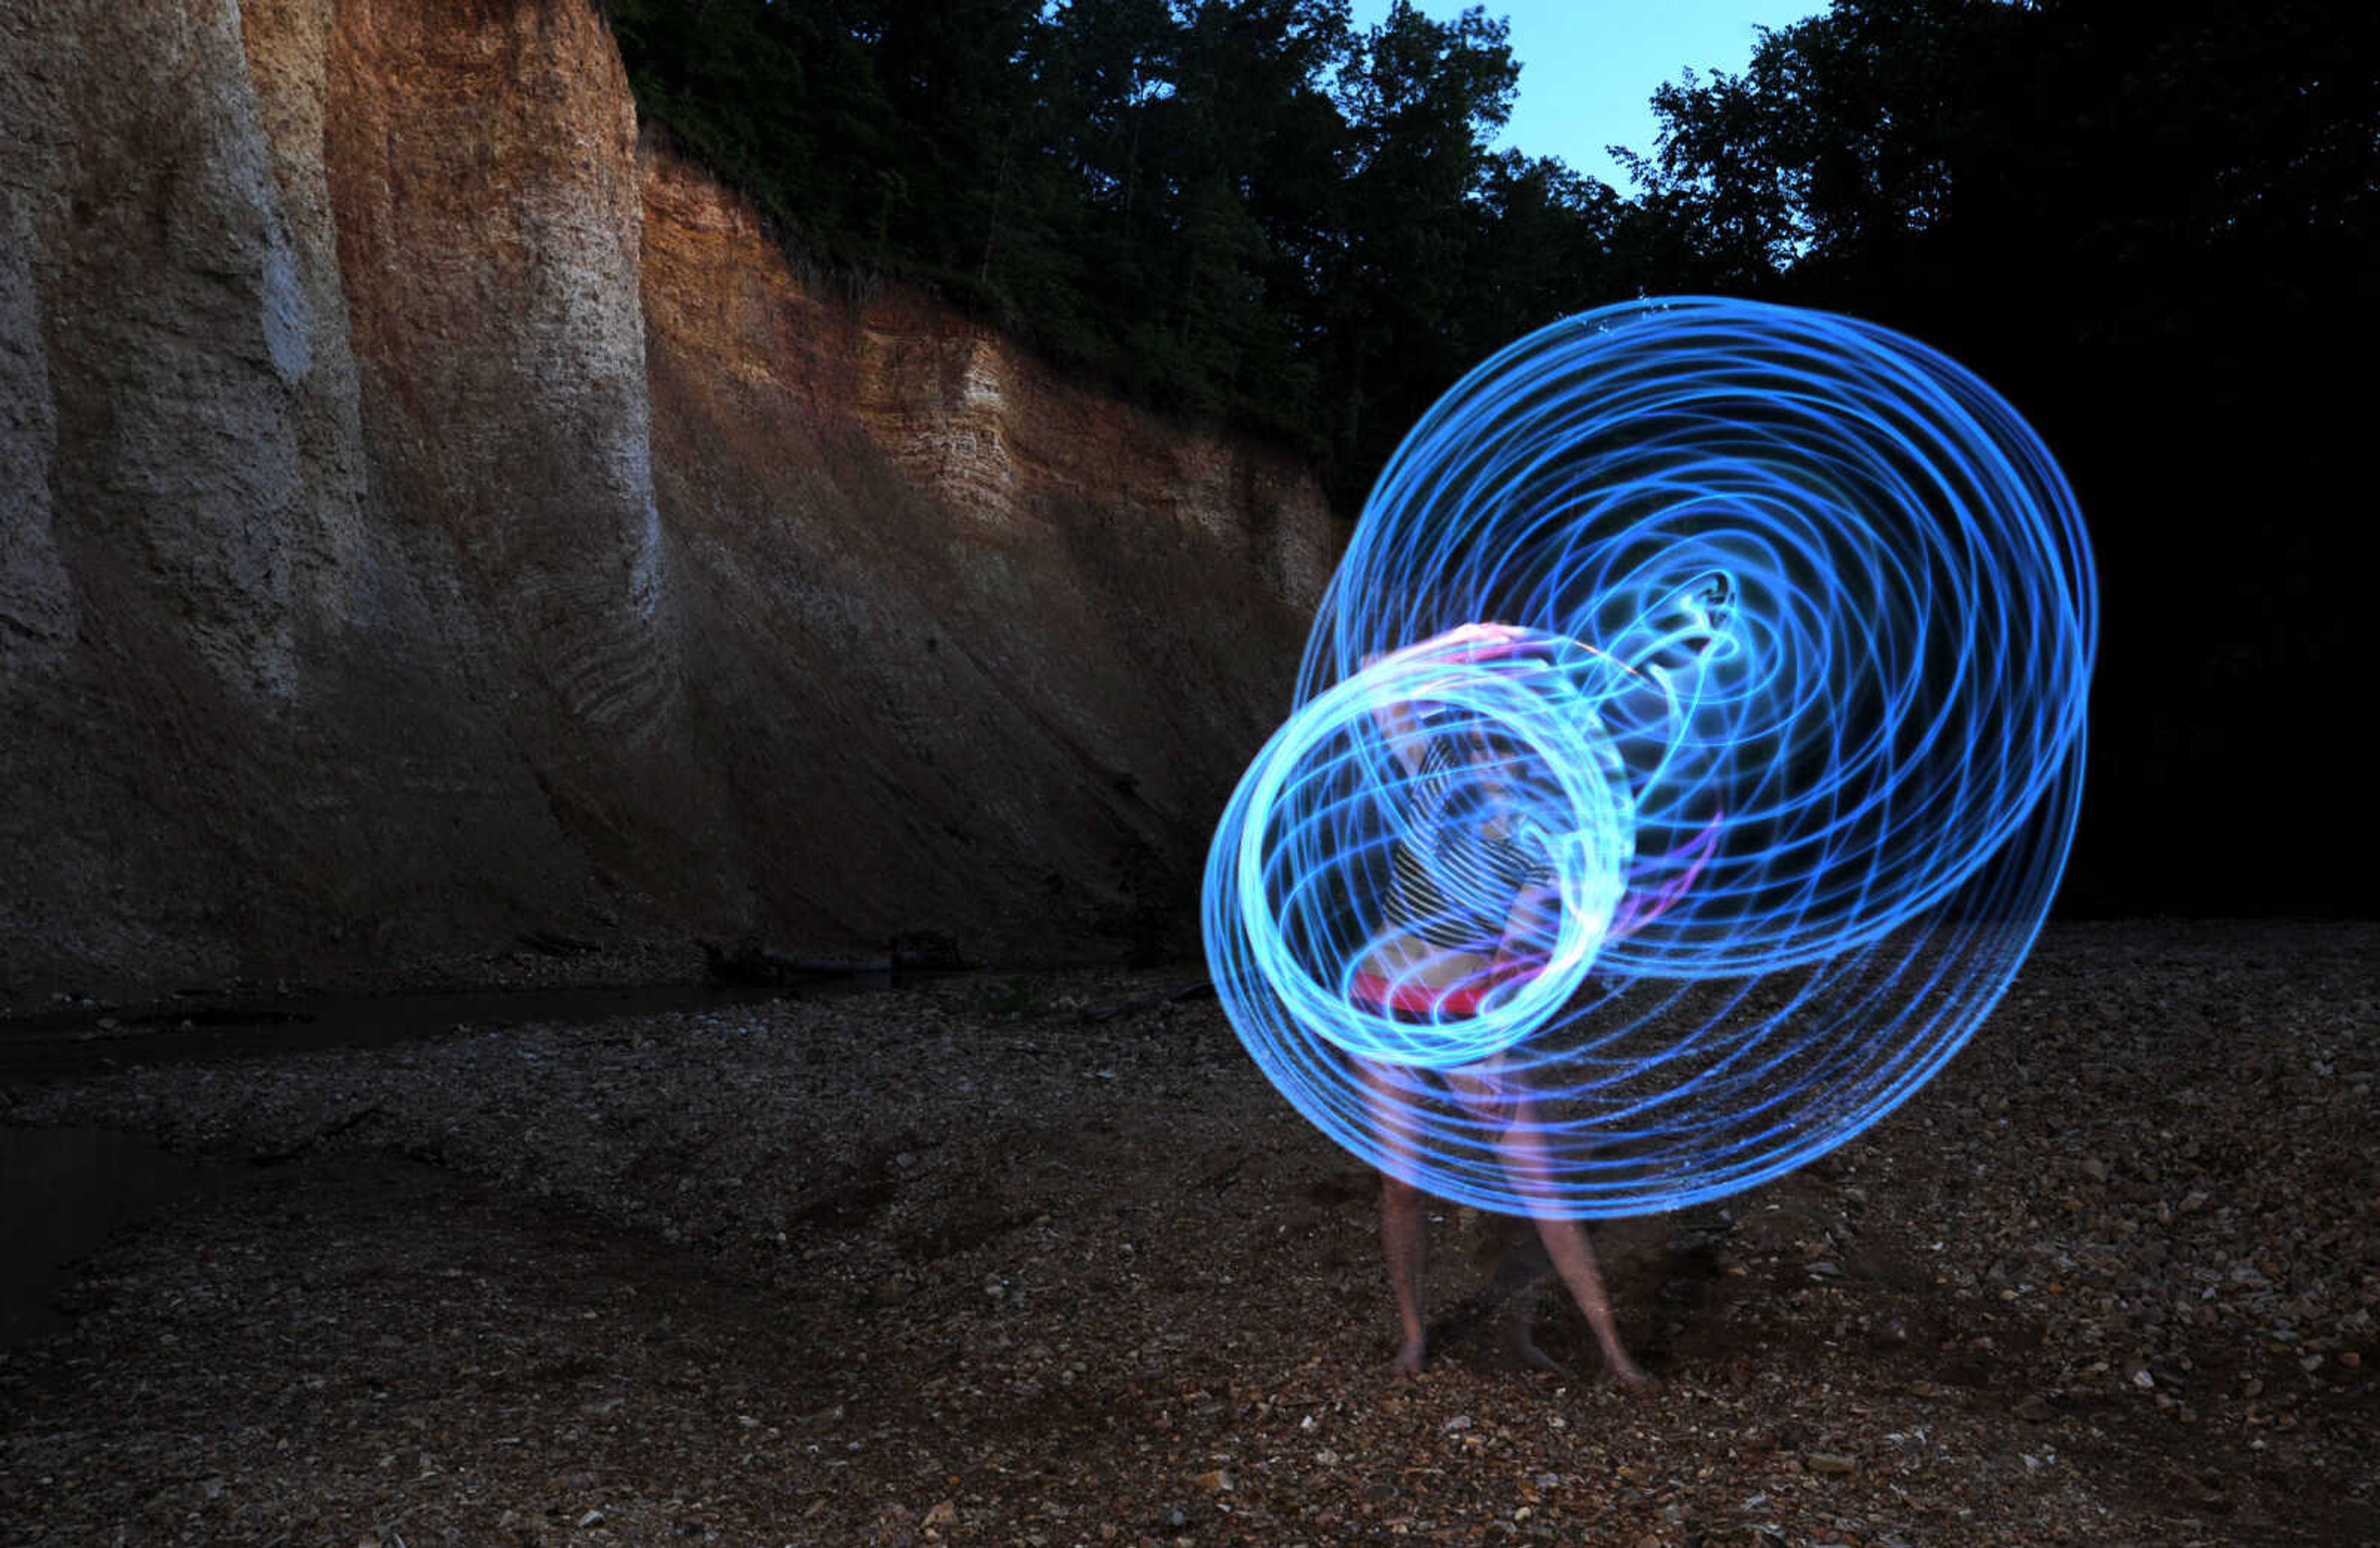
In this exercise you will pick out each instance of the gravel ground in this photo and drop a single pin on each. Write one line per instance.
(956, 1265)
(547, 961)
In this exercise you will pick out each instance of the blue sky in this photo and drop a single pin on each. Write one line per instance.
(1589, 68)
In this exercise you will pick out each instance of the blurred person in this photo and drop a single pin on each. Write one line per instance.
(1463, 920)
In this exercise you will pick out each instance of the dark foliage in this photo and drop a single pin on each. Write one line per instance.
(2151, 223)
(1237, 209)
(2156, 227)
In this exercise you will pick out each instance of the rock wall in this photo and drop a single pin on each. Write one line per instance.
(425, 516)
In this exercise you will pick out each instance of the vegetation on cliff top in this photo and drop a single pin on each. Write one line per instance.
(1240, 210)
(1252, 208)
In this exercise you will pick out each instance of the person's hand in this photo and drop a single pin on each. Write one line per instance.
(1475, 642)
(1465, 642)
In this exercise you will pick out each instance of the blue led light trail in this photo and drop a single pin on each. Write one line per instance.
(1763, 637)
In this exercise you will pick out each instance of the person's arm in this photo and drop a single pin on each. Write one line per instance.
(1401, 728)
(1639, 909)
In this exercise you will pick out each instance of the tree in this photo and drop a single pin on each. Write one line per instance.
(2152, 227)
(1421, 99)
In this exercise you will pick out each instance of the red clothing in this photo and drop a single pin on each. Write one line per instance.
(1408, 998)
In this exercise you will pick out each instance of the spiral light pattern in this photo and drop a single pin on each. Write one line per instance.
(1794, 621)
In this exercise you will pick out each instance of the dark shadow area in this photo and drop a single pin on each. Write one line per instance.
(67, 1192)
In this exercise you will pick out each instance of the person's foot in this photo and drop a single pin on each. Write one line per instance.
(1522, 1346)
(1409, 1358)
(1626, 1372)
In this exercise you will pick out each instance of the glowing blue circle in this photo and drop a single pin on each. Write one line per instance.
(1323, 774)
(1801, 620)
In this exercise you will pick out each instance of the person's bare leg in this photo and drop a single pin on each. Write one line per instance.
(1575, 1261)
(1565, 1240)
(1487, 1095)
(1523, 1268)
(1403, 1225)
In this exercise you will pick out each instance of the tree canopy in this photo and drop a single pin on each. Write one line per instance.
(2157, 229)
(1239, 209)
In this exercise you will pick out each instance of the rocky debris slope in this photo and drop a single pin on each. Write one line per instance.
(428, 517)
(958, 1265)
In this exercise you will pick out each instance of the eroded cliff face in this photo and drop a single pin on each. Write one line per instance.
(425, 518)
(909, 551)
